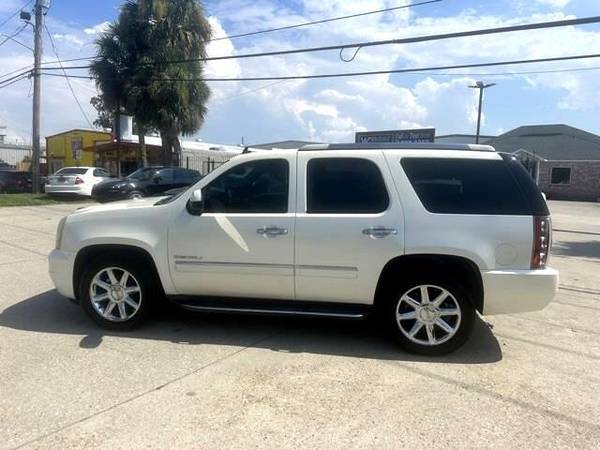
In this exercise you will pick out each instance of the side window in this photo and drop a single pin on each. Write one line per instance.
(345, 186)
(165, 176)
(466, 186)
(253, 187)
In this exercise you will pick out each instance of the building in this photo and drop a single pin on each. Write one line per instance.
(462, 139)
(66, 149)
(565, 161)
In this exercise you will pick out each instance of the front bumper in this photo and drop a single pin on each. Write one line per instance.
(517, 291)
(60, 266)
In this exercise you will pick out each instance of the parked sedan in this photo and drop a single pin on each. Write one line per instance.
(146, 182)
(75, 180)
(13, 182)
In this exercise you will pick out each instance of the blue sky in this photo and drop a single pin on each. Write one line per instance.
(332, 110)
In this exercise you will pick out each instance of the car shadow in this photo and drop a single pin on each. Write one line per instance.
(585, 249)
(49, 312)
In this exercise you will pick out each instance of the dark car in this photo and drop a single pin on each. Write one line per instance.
(13, 182)
(146, 182)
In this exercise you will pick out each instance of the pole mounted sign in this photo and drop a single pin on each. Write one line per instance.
(396, 136)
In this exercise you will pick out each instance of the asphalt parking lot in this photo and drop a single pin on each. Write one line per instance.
(208, 381)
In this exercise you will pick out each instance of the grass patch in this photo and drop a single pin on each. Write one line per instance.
(36, 199)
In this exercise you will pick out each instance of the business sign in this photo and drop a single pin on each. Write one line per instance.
(396, 136)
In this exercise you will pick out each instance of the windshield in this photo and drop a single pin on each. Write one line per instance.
(143, 174)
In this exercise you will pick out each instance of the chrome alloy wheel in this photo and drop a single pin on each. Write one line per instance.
(428, 315)
(115, 294)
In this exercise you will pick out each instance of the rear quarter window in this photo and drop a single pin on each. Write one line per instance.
(466, 186)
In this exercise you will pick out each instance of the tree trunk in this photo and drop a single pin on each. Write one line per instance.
(142, 140)
(165, 154)
(177, 154)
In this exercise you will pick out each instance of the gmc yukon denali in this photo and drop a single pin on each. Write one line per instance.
(423, 236)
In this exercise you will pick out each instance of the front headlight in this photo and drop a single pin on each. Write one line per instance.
(59, 232)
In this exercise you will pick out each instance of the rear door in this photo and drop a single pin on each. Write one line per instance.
(348, 226)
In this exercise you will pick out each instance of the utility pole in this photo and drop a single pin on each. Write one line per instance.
(481, 86)
(41, 8)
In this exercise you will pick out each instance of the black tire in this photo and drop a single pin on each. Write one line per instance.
(463, 324)
(135, 194)
(139, 276)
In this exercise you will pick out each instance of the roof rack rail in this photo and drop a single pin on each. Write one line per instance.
(399, 146)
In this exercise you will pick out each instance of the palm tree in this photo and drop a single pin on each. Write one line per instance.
(134, 73)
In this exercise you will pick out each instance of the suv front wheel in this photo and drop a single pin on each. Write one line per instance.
(430, 317)
(115, 294)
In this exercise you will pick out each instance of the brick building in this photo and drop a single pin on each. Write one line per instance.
(565, 161)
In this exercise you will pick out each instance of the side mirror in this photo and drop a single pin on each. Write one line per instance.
(195, 205)
(157, 179)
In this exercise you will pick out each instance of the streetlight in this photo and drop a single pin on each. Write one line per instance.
(481, 86)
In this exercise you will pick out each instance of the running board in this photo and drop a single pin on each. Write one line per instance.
(273, 307)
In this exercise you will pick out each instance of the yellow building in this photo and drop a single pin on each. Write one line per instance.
(66, 149)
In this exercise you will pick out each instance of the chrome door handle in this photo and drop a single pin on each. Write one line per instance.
(379, 232)
(272, 231)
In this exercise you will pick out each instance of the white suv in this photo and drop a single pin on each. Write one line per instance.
(424, 235)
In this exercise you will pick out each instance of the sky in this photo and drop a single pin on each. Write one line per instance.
(332, 110)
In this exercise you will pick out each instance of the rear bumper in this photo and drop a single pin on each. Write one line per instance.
(72, 189)
(60, 267)
(517, 291)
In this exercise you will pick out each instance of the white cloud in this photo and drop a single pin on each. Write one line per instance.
(554, 3)
(97, 29)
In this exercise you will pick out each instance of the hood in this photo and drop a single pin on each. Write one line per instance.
(108, 184)
(120, 205)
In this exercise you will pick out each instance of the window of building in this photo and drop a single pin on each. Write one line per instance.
(253, 187)
(466, 186)
(345, 186)
(560, 175)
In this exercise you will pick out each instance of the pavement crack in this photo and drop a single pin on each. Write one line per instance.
(18, 247)
(149, 391)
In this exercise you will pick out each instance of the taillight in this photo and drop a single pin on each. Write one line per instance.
(79, 180)
(542, 241)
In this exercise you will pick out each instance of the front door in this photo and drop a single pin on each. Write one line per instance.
(349, 225)
(243, 243)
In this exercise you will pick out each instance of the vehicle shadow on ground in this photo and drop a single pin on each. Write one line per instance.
(585, 249)
(51, 313)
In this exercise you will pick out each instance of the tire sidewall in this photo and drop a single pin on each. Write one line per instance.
(135, 194)
(144, 280)
(466, 324)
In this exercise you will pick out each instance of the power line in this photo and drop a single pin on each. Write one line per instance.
(19, 75)
(22, 70)
(16, 41)
(316, 22)
(376, 72)
(14, 80)
(12, 36)
(66, 78)
(89, 58)
(8, 19)
(410, 40)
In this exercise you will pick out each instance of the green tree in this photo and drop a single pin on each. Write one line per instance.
(135, 70)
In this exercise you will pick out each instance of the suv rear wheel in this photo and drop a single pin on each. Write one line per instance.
(430, 316)
(116, 293)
